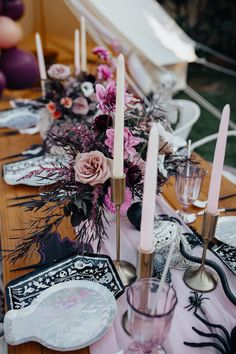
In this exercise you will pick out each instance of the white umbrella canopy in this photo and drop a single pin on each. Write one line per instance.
(147, 27)
(150, 38)
(157, 50)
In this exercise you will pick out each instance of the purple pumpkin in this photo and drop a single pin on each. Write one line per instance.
(3, 82)
(13, 9)
(20, 68)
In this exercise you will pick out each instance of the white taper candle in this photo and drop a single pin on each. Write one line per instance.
(77, 52)
(149, 192)
(118, 155)
(83, 44)
(41, 62)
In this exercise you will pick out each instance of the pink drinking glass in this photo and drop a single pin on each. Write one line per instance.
(188, 183)
(149, 319)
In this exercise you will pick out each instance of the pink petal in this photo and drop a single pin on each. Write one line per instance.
(100, 92)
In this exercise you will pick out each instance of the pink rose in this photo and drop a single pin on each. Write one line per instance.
(51, 107)
(80, 106)
(92, 168)
(66, 102)
(59, 71)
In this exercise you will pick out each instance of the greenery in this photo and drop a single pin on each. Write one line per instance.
(209, 22)
(218, 89)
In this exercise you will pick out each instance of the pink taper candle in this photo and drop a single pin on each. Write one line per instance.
(149, 193)
(218, 163)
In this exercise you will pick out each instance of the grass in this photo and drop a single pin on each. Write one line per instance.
(219, 89)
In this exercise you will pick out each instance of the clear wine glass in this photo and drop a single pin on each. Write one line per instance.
(188, 183)
(149, 319)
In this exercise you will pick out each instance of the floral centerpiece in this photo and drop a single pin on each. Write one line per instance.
(74, 98)
(82, 190)
(70, 97)
(81, 184)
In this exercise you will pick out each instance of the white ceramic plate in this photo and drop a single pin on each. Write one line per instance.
(66, 316)
(226, 230)
(14, 173)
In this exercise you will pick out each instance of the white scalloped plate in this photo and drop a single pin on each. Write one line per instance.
(226, 230)
(66, 316)
(14, 173)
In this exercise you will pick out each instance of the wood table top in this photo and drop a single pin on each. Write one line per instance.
(15, 217)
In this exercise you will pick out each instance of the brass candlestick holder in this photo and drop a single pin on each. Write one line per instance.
(200, 278)
(145, 264)
(126, 270)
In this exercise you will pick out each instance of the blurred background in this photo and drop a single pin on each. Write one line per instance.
(209, 23)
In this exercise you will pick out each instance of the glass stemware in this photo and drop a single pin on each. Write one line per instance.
(149, 319)
(188, 183)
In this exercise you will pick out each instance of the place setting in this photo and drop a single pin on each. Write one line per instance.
(115, 250)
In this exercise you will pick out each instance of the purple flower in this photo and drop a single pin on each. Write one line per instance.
(129, 142)
(106, 97)
(102, 122)
(124, 206)
(104, 72)
(80, 106)
(102, 53)
(59, 71)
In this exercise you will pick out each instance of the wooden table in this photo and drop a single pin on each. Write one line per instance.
(14, 218)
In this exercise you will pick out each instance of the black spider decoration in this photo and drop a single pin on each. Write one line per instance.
(225, 344)
(196, 302)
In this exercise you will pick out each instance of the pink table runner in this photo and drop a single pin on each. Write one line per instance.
(218, 309)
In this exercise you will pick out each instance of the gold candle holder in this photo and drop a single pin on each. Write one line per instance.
(199, 278)
(126, 270)
(145, 263)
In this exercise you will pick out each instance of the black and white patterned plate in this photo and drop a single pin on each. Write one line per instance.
(22, 291)
(227, 254)
(23, 171)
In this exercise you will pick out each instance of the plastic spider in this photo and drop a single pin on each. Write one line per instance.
(226, 341)
(196, 302)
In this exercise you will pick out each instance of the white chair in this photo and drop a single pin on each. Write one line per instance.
(227, 173)
(189, 112)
